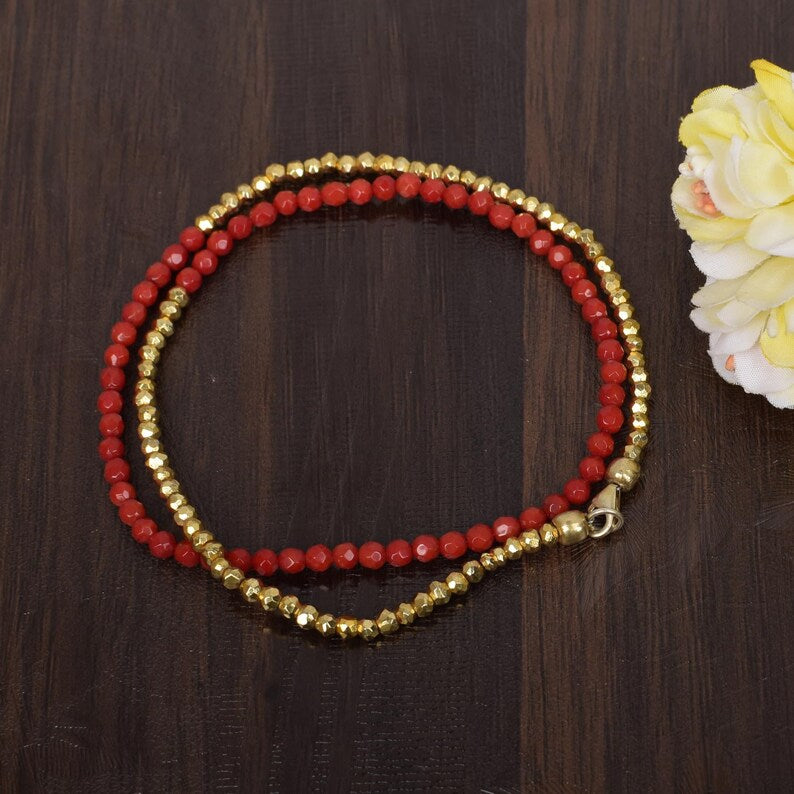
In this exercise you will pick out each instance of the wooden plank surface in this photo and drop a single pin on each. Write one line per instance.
(390, 373)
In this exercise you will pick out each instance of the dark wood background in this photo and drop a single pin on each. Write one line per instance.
(373, 377)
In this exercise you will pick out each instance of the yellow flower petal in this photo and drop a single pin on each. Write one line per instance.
(769, 285)
(716, 97)
(711, 121)
(764, 174)
(779, 349)
(777, 86)
(773, 230)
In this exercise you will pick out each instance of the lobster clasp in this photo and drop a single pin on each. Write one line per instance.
(604, 515)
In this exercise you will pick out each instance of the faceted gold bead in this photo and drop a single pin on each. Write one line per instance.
(548, 535)
(457, 583)
(619, 297)
(205, 223)
(557, 222)
(211, 550)
(232, 578)
(149, 413)
(163, 472)
(156, 460)
(406, 614)
(275, 172)
(218, 566)
(623, 472)
(610, 282)
(641, 390)
(249, 589)
(155, 339)
(481, 183)
(499, 190)
(515, 198)
(499, 556)
(593, 250)
(176, 500)
(603, 264)
(164, 326)
(365, 161)
(289, 605)
(168, 487)
(544, 211)
(434, 170)
(346, 164)
(473, 571)
(401, 165)
(635, 359)
(261, 184)
(328, 161)
(422, 604)
(147, 369)
(170, 310)
(638, 438)
(294, 169)
(387, 622)
(144, 384)
(269, 598)
(150, 445)
(179, 296)
(633, 453)
(245, 193)
(633, 343)
(148, 430)
(571, 527)
(201, 538)
(312, 166)
(625, 311)
(451, 174)
(368, 629)
(230, 201)
(191, 528)
(218, 213)
(467, 178)
(571, 231)
(149, 353)
(513, 549)
(347, 627)
(384, 163)
(530, 541)
(325, 624)
(488, 562)
(144, 398)
(184, 513)
(306, 616)
(439, 592)
(630, 328)
(586, 237)
(640, 422)
(417, 167)
(638, 375)
(639, 405)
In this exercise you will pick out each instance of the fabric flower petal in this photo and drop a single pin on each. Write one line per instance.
(773, 230)
(778, 87)
(769, 285)
(758, 376)
(726, 261)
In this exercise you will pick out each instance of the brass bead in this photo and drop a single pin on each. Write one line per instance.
(269, 598)
(434, 170)
(184, 513)
(275, 172)
(610, 282)
(401, 165)
(640, 422)
(232, 578)
(289, 605)
(623, 472)
(328, 161)
(630, 328)
(163, 472)
(593, 250)
(230, 201)
(155, 339)
(481, 183)
(633, 343)
(499, 556)
(417, 167)
(515, 198)
(250, 589)
(346, 164)
(384, 163)
(544, 211)
(451, 174)
(170, 310)
(150, 445)
(164, 326)
(218, 566)
(639, 405)
(439, 592)
(406, 614)
(638, 375)
(457, 583)
(422, 604)
(548, 535)
(148, 430)
(513, 549)
(365, 161)
(306, 616)
(200, 539)
(387, 622)
(218, 213)
(176, 500)
(245, 193)
(144, 384)
(168, 487)
(294, 169)
(530, 541)
(638, 438)
(488, 562)
(346, 627)
(625, 311)
(473, 571)
(156, 460)
(179, 296)
(635, 359)
(499, 190)
(571, 527)
(149, 353)
(204, 223)
(586, 237)
(325, 624)
(147, 369)
(212, 550)
(144, 398)
(571, 231)
(261, 184)
(641, 389)
(191, 528)
(368, 629)
(148, 413)
(557, 222)
(603, 264)
(467, 178)
(633, 453)
(312, 166)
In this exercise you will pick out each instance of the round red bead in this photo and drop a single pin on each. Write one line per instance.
(613, 372)
(130, 511)
(117, 470)
(120, 492)
(123, 333)
(291, 560)
(425, 548)
(319, 558)
(265, 562)
(143, 529)
(345, 556)
(559, 256)
(611, 394)
(576, 491)
(600, 444)
(593, 309)
(189, 279)
(309, 198)
(359, 192)
(583, 290)
(111, 425)
(456, 196)
(501, 216)
(334, 194)
(133, 312)
(384, 187)
(185, 555)
(610, 419)
(285, 202)
(110, 448)
(555, 504)
(112, 378)
(432, 191)
(408, 185)
(175, 256)
(540, 242)
(505, 527)
(479, 537)
(609, 350)
(452, 545)
(372, 555)
(162, 545)
(205, 262)
(220, 243)
(603, 328)
(145, 292)
(571, 273)
(109, 402)
(240, 558)
(159, 274)
(192, 238)
(592, 469)
(480, 202)
(263, 214)
(398, 553)
(532, 518)
(117, 356)
(524, 225)
(240, 227)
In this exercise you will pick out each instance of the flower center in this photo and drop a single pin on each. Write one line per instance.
(703, 199)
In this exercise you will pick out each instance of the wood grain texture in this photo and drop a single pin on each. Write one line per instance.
(388, 373)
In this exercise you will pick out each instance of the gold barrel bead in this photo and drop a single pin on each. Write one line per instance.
(481, 183)
(638, 438)
(633, 453)
(144, 398)
(148, 430)
(250, 589)
(571, 527)
(218, 214)
(638, 375)
(176, 500)
(639, 405)
(184, 513)
(457, 583)
(544, 211)
(294, 169)
(164, 326)
(191, 528)
(433, 171)
(619, 297)
(571, 231)
(211, 550)
(155, 339)
(147, 369)
(557, 222)
(168, 487)
(586, 237)
(232, 578)
(640, 422)
(593, 250)
(162, 472)
(405, 613)
(633, 343)
(635, 359)
(156, 460)
(144, 384)
(488, 562)
(642, 390)
(149, 353)
(347, 627)
(275, 172)
(630, 328)
(467, 178)
(325, 625)
(170, 310)
(439, 592)
(368, 629)
(513, 549)
(473, 571)
(623, 472)
(306, 617)
(548, 535)
(269, 598)
(179, 296)
(530, 541)
(499, 556)
(151, 445)
(422, 604)
(417, 167)
(603, 265)
(387, 622)
(288, 606)
(624, 311)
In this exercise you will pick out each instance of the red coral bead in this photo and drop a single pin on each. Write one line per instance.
(571, 273)
(611, 394)
(109, 402)
(112, 378)
(285, 202)
(432, 191)
(505, 527)
(189, 279)
(159, 274)
(610, 419)
(532, 518)
(398, 553)
(613, 372)
(117, 470)
(372, 555)
(480, 202)
(456, 197)
(265, 562)
(133, 312)
(205, 262)
(319, 557)
(117, 356)
(123, 333)
(583, 290)
(145, 292)
(559, 256)
(240, 227)
(425, 548)
(240, 558)
(143, 529)
(576, 491)
(291, 560)
(345, 556)
(600, 444)
(384, 187)
(334, 194)
(479, 537)
(592, 469)
(609, 350)
(540, 242)
(309, 198)
(192, 238)
(408, 185)
(185, 555)
(175, 256)
(162, 545)
(120, 492)
(501, 216)
(220, 243)
(263, 214)
(360, 192)
(111, 425)
(452, 545)
(554, 504)
(110, 448)
(130, 511)
(603, 328)
(593, 309)
(524, 225)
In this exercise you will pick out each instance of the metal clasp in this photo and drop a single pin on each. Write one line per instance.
(604, 515)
